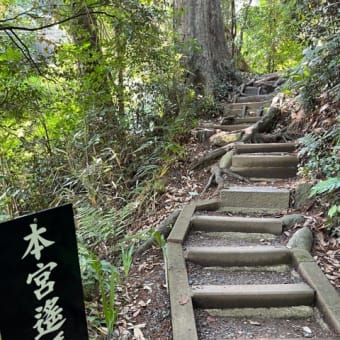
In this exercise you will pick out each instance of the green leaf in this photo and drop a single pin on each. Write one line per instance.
(334, 210)
(327, 186)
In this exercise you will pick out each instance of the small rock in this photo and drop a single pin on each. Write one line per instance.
(225, 161)
(295, 274)
(223, 138)
(307, 332)
(290, 220)
(302, 239)
(302, 192)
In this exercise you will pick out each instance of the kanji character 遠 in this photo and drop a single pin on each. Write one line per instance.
(49, 319)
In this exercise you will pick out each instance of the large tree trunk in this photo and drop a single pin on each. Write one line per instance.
(199, 25)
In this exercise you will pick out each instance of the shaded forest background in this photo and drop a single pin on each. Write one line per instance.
(95, 106)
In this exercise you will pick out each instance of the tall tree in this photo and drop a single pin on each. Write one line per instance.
(200, 28)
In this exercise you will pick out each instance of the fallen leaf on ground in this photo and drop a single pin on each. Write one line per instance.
(183, 301)
(138, 334)
(137, 312)
(211, 319)
(255, 323)
(147, 287)
(141, 303)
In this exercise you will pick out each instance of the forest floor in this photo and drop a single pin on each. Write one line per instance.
(143, 298)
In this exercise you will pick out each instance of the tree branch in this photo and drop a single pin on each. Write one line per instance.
(17, 16)
(33, 29)
(24, 50)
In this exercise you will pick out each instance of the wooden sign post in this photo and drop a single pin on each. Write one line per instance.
(40, 286)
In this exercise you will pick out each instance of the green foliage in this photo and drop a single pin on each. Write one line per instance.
(317, 80)
(322, 153)
(317, 19)
(159, 238)
(99, 277)
(75, 132)
(127, 258)
(330, 185)
(330, 189)
(334, 219)
(107, 288)
(319, 72)
(97, 123)
(98, 227)
(322, 157)
(270, 41)
(160, 241)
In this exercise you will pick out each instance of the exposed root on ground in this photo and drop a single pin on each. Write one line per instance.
(164, 229)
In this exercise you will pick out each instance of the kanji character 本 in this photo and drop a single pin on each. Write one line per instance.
(41, 279)
(36, 242)
(49, 319)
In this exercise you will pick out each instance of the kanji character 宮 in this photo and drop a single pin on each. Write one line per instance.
(41, 279)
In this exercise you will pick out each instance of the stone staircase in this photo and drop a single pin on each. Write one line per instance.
(243, 112)
(228, 254)
(245, 107)
(235, 263)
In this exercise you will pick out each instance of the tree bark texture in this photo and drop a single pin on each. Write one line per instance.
(200, 28)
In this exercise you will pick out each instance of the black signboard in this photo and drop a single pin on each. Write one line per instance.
(40, 286)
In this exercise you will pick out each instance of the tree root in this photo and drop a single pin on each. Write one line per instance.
(235, 175)
(255, 133)
(265, 124)
(210, 157)
(217, 178)
(163, 228)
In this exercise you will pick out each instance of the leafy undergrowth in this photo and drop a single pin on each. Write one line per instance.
(319, 156)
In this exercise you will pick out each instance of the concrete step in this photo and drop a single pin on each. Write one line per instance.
(251, 91)
(236, 108)
(242, 112)
(264, 147)
(247, 120)
(264, 160)
(266, 313)
(236, 224)
(255, 197)
(260, 98)
(267, 82)
(238, 256)
(265, 172)
(265, 165)
(231, 127)
(241, 296)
